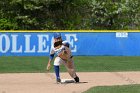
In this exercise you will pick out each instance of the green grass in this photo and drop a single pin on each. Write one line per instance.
(22, 64)
(115, 89)
(108, 63)
(82, 64)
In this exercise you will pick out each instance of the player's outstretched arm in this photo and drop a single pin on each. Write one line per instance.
(49, 65)
(49, 62)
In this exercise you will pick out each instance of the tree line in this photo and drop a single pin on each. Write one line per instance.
(69, 14)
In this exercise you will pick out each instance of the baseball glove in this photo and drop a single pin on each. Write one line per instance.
(58, 43)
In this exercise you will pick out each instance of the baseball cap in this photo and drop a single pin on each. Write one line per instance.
(57, 35)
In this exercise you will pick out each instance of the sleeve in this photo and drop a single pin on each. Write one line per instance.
(66, 43)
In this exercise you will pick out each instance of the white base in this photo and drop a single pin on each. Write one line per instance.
(67, 80)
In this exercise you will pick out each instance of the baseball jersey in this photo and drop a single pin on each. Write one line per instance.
(54, 51)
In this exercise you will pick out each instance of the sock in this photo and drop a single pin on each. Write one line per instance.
(56, 69)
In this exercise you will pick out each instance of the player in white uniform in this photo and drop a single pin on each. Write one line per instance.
(63, 56)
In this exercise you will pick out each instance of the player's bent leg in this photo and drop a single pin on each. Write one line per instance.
(56, 69)
(71, 70)
(57, 62)
(73, 74)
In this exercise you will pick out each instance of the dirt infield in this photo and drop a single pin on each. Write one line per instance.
(45, 82)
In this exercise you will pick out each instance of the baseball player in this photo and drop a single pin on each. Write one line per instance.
(62, 53)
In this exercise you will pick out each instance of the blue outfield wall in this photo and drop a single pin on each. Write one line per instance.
(98, 43)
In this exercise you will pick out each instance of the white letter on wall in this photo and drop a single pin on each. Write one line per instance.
(42, 46)
(27, 44)
(7, 43)
(71, 38)
(14, 45)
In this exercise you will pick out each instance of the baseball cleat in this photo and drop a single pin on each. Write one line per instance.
(58, 81)
(76, 79)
